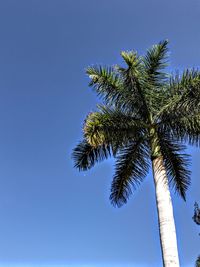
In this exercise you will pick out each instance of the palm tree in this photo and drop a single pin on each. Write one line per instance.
(146, 117)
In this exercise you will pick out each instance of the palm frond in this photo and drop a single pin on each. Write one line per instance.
(132, 77)
(154, 61)
(111, 126)
(185, 128)
(107, 84)
(131, 168)
(85, 156)
(132, 60)
(176, 164)
(188, 129)
(183, 96)
(180, 115)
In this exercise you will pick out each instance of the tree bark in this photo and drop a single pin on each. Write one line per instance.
(165, 215)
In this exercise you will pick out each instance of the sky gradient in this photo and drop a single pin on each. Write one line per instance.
(51, 214)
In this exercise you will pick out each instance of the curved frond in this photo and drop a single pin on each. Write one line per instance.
(132, 60)
(111, 126)
(183, 96)
(184, 128)
(176, 164)
(131, 168)
(85, 156)
(155, 61)
(108, 86)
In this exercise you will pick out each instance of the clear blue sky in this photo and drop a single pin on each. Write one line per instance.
(49, 212)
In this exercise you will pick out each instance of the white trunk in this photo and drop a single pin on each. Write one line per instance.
(165, 215)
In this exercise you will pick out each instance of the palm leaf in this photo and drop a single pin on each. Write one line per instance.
(108, 86)
(176, 164)
(131, 168)
(183, 96)
(185, 128)
(154, 61)
(111, 126)
(85, 155)
(132, 77)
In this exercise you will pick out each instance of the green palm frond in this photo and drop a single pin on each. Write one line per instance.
(131, 168)
(155, 61)
(111, 126)
(181, 114)
(107, 84)
(176, 164)
(85, 155)
(133, 72)
(183, 96)
(120, 87)
(132, 60)
(188, 129)
(179, 83)
(189, 92)
(185, 128)
(132, 77)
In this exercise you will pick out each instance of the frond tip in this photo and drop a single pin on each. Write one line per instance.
(131, 58)
(85, 155)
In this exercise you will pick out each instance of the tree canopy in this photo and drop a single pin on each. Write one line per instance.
(145, 113)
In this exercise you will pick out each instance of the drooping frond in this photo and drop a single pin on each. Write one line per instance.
(85, 155)
(155, 61)
(131, 168)
(188, 129)
(183, 96)
(181, 114)
(185, 128)
(180, 83)
(176, 164)
(111, 126)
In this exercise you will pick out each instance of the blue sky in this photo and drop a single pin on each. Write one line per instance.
(51, 214)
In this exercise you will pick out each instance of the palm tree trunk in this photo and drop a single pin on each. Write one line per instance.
(165, 215)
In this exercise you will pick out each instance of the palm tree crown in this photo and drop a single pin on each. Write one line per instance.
(146, 114)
